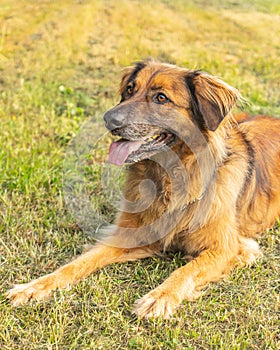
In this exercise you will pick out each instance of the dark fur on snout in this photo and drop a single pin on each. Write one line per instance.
(136, 131)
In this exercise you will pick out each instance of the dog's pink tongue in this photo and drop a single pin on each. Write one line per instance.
(119, 151)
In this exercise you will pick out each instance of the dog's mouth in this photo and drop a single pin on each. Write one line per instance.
(133, 149)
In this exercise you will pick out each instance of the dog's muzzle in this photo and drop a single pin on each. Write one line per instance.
(117, 117)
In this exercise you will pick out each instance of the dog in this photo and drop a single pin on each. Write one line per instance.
(206, 182)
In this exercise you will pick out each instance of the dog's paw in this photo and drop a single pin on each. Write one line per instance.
(21, 294)
(249, 252)
(156, 304)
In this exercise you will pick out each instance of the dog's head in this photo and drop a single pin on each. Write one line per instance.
(153, 95)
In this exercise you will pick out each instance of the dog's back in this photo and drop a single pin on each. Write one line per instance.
(259, 203)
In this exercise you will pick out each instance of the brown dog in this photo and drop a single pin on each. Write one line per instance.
(203, 183)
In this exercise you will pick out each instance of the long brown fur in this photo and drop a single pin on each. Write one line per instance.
(220, 221)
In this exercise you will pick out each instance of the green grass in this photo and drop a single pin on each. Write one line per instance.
(60, 64)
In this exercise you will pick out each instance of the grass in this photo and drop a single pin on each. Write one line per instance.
(60, 64)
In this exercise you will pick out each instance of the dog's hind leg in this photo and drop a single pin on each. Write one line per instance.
(100, 255)
(249, 251)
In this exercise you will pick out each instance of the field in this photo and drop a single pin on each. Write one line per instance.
(60, 65)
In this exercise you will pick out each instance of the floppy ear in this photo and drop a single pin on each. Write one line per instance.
(212, 98)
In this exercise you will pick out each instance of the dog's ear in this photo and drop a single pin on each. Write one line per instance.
(211, 98)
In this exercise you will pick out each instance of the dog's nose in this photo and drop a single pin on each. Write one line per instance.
(114, 119)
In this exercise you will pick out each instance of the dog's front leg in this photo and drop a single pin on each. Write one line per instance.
(98, 256)
(183, 284)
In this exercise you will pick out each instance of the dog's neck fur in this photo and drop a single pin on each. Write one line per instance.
(193, 171)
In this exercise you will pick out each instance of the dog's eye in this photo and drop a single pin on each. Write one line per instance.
(129, 89)
(160, 98)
